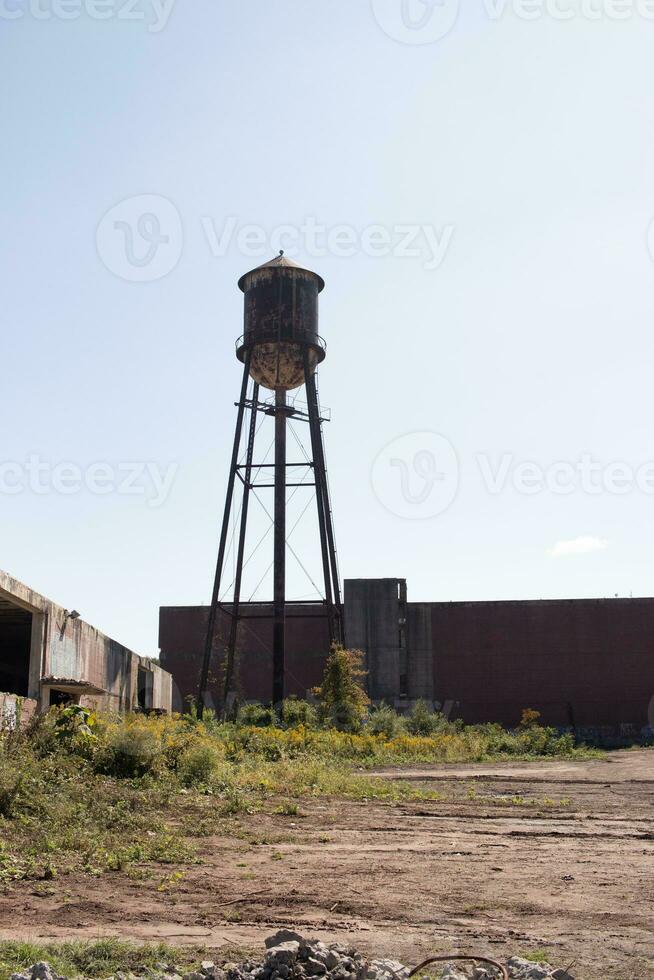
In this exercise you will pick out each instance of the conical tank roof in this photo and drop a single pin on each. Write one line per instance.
(281, 261)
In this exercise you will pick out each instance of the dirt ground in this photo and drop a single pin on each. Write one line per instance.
(553, 856)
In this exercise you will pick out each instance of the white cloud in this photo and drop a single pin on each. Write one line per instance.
(577, 546)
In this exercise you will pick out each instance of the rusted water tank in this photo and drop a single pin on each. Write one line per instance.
(281, 322)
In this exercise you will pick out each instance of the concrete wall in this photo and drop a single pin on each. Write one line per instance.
(373, 624)
(72, 656)
(15, 711)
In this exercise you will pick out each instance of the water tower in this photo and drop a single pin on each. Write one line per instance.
(280, 350)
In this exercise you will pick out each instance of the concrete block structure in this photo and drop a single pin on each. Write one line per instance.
(50, 656)
(585, 664)
(376, 622)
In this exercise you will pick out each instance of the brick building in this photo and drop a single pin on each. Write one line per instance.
(583, 663)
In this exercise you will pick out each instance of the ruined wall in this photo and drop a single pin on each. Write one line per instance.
(70, 654)
(15, 712)
(162, 685)
(86, 656)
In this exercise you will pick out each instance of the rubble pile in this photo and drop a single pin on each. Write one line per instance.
(290, 956)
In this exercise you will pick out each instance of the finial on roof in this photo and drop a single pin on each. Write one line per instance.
(279, 262)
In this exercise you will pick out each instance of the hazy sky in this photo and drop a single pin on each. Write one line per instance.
(477, 192)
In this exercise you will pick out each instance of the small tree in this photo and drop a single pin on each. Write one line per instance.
(421, 721)
(257, 716)
(342, 700)
(530, 719)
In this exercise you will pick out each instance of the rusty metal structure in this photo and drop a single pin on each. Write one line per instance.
(280, 350)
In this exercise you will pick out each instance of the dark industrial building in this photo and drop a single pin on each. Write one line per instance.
(586, 664)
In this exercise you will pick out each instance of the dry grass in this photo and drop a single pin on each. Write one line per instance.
(97, 794)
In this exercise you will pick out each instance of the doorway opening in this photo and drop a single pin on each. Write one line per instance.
(15, 647)
(144, 690)
(60, 698)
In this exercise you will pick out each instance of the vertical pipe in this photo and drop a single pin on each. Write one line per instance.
(211, 624)
(279, 601)
(233, 630)
(314, 430)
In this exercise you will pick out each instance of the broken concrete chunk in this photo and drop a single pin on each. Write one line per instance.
(340, 949)
(328, 957)
(314, 968)
(43, 971)
(290, 956)
(284, 954)
(283, 936)
(340, 973)
(450, 972)
(521, 969)
(389, 968)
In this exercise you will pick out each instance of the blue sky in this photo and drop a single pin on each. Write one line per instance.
(523, 149)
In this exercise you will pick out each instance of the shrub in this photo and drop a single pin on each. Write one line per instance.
(23, 776)
(296, 712)
(545, 741)
(384, 721)
(11, 783)
(423, 721)
(75, 724)
(129, 749)
(257, 715)
(342, 699)
(198, 764)
(42, 733)
(529, 718)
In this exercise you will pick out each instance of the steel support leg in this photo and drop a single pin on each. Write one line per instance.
(233, 631)
(314, 430)
(321, 481)
(211, 624)
(279, 600)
